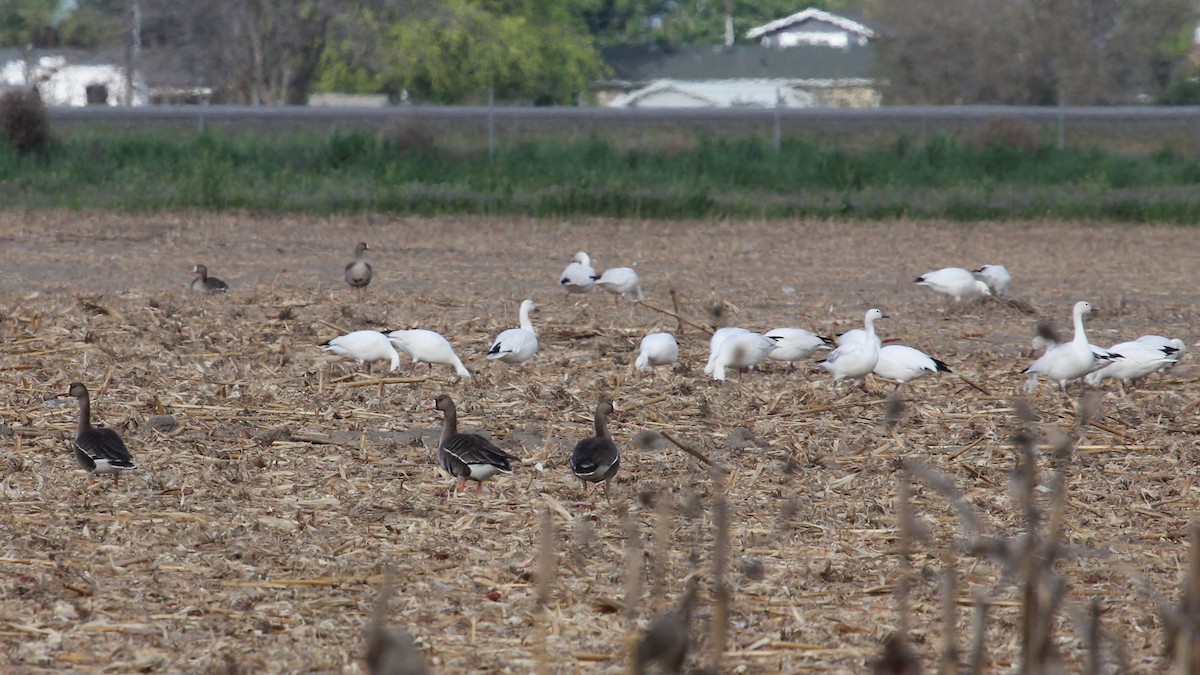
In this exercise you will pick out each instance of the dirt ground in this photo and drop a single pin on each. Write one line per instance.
(253, 537)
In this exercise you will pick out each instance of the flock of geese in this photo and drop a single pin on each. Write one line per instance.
(854, 355)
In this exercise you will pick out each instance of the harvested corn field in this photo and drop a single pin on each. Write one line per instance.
(278, 484)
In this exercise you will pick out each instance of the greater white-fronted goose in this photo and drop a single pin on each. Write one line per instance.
(202, 283)
(516, 345)
(468, 456)
(596, 459)
(364, 346)
(98, 450)
(358, 273)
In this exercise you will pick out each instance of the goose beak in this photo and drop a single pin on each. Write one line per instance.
(617, 408)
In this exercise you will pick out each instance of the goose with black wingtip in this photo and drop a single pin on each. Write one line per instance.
(516, 345)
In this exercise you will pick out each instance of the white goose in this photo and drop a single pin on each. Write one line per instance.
(426, 346)
(657, 349)
(856, 360)
(516, 345)
(902, 364)
(1070, 360)
(794, 344)
(579, 276)
(620, 281)
(996, 277)
(364, 346)
(955, 282)
(856, 336)
(714, 344)
(1160, 341)
(740, 350)
(1138, 360)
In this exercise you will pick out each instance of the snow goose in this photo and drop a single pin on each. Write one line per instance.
(714, 344)
(1160, 341)
(1070, 360)
(657, 349)
(856, 336)
(856, 359)
(620, 281)
(996, 277)
(426, 346)
(955, 282)
(793, 344)
(740, 350)
(579, 276)
(98, 450)
(364, 346)
(358, 273)
(597, 458)
(467, 456)
(902, 364)
(1138, 360)
(516, 345)
(204, 284)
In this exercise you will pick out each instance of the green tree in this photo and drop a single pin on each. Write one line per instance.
(534, 51)
(52, 23)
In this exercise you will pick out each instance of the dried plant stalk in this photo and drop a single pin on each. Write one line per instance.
(720, 565)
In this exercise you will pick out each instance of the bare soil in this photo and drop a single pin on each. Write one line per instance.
(253, 538)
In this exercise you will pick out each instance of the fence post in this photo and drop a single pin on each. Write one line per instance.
(491, 124)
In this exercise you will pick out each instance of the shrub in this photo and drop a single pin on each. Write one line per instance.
(24, 121)
(1008, 132)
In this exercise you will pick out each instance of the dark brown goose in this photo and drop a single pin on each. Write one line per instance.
(597, 458)
(202, 283)
(358, 273)
(97, 450)
(468, 456)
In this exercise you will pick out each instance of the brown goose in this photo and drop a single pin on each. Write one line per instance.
(468, 456)
(202, 283)
(597, 458)
(358, 273)
(97, 450)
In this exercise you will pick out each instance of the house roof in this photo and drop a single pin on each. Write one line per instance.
(640, 64)
(811, 14)
(719, 94)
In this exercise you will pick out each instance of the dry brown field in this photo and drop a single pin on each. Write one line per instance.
(254, 536)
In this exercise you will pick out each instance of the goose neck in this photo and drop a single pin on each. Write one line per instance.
(1080, 335)
(602, 421)
(450, 424)
(525, 322)
(85, 415)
